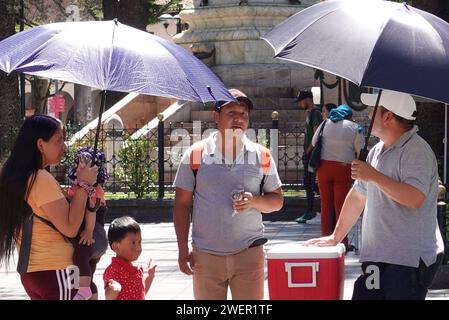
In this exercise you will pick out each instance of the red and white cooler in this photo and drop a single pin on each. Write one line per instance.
(297, 272)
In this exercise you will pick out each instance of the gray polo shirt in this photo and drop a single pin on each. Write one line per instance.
(391, 232)
(214, 229)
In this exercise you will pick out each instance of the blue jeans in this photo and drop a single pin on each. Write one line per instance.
(396, 282)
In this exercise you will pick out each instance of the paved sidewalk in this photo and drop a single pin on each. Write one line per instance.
(159, 244)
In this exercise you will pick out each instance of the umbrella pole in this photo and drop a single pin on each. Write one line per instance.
(97, 137)
(364, 152)
(210, 92)
(97, 134)
(445, 177)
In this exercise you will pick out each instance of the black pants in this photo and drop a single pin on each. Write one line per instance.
(309, 183)
(395, 282)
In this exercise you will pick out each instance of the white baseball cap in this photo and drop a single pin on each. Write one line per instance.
(399, 103)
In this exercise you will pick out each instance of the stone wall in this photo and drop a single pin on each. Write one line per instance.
(147, 211)
(226, 35)
(142, 110)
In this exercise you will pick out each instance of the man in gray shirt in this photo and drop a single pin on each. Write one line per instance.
(230, 181)
(397, 188)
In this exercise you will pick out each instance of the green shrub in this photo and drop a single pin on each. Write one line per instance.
(136, 167)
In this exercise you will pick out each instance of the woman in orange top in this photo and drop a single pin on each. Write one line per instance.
(49, 273)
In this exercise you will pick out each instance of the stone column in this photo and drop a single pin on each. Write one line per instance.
(225, 35)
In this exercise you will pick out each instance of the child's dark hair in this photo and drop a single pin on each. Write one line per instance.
(120, 227)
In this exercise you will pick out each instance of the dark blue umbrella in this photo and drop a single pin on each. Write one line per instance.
(109, 55)
(372, 43)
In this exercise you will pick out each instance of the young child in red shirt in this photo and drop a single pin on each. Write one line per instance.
(124, 279)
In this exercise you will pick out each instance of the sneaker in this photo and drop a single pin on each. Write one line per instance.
(307, 216)
(316, 220)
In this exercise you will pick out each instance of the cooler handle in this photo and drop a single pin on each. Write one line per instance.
(315, 268)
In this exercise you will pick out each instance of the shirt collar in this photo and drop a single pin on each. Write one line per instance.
(125, 264)
(210, 145)
(405, 137)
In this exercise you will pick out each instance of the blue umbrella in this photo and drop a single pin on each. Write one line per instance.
(109, 55)
(372, 43)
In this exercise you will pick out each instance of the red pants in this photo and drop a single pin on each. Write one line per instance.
(334, 182)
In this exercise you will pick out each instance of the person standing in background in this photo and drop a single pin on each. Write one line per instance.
(313, 120)
(341, 143)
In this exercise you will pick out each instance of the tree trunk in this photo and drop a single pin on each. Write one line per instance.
(39, 87)
(83, 105)
(134, 13)
(439, 8)
(9, 86)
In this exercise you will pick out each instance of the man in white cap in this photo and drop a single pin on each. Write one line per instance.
(397, 188)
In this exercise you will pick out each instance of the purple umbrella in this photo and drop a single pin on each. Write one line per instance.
(109, 55)
(371, 43)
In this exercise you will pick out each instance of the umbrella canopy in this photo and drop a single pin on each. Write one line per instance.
(371, 43)
(109, 55)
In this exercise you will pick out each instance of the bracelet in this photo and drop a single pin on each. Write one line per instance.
(87, 187)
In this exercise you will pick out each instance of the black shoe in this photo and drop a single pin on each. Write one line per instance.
(350, 248)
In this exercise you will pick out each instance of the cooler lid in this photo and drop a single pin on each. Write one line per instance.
(297, 250)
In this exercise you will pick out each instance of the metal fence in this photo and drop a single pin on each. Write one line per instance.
(145, 166)
(142, 162)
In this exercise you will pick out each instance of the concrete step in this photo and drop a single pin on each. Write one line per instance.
(257, 115)
(275, 103)
(267, 103)
(290, 140)
(151, 211)
(284, 116)
(292, 133)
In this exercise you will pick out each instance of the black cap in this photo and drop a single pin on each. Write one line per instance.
(304, 94)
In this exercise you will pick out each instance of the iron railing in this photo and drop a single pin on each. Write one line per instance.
(145, 166)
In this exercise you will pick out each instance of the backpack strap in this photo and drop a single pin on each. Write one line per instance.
(265, 159)
(51, 225)
(196, 158)
(26, 231)
(25, 243)
(265, 163)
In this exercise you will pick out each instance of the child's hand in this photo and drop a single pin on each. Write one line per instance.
(85, 172)
(151, 269)
(149, 278)
(114, 286)
(84, 161)
(86, 238)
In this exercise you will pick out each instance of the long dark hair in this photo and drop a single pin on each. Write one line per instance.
(23, 163)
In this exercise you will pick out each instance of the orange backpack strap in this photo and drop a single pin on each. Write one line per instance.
(265, 157)
(196, 157)
(265, 163)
